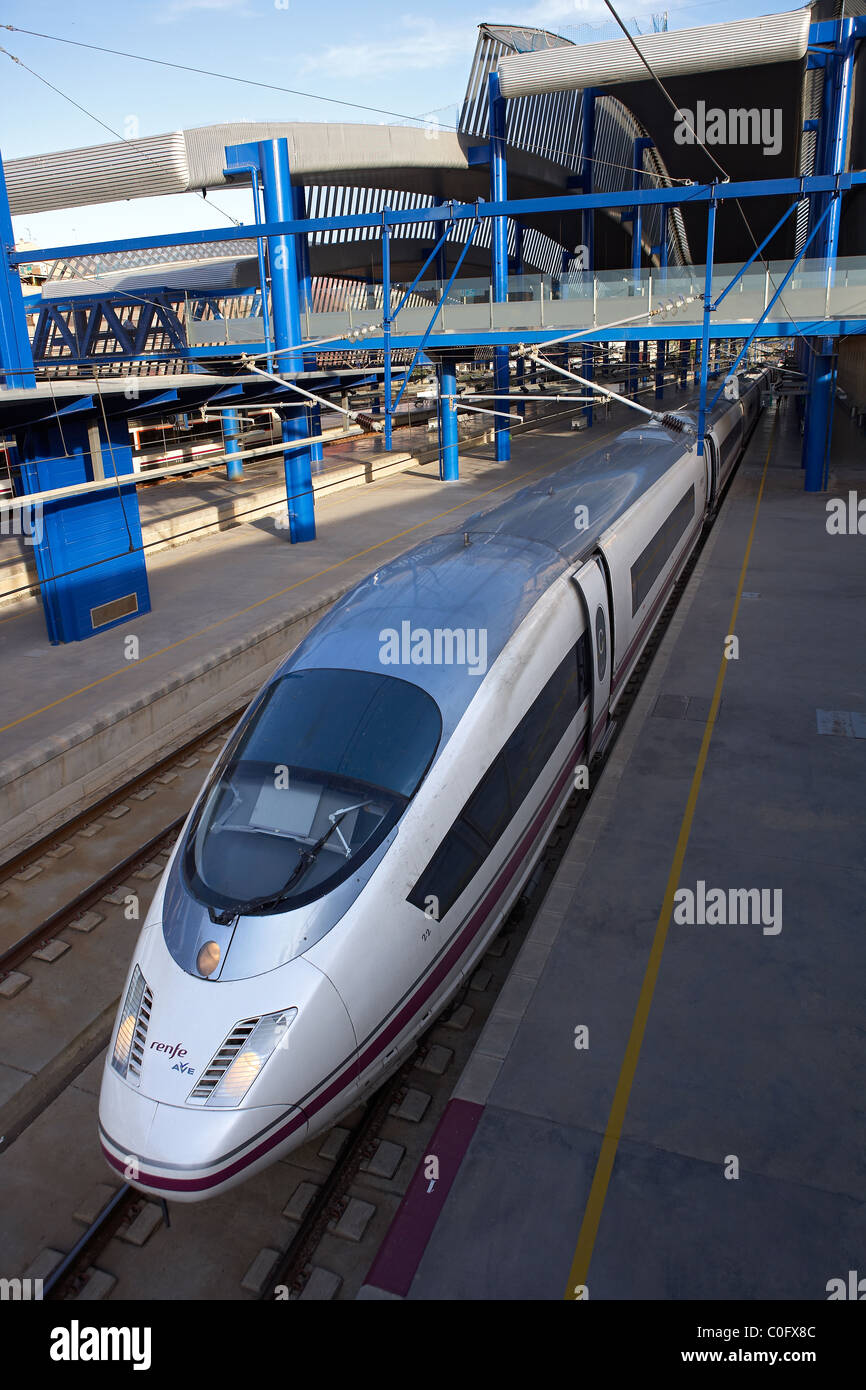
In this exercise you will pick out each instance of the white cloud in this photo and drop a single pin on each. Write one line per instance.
(411, 43)
(418, 44)
(181, 9)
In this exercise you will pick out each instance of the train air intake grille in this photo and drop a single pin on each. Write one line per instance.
(139, 1037)
(213, 1074)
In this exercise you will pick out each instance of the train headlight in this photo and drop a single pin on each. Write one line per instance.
(128, 1023)
(124, 1042)
(208, 958)
(267, 1036)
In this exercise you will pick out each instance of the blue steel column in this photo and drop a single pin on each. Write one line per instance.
(231, 434)
(587, 140)
(305, 284)
(835, 114)
(587, 358)
(819, 415)
(518, 248)
(519, 384)
(387, 387)
(16, 354)
(660, 369)
(499, 266)
(705, 340)
(448, 445)
(631, 358)
(285, 302)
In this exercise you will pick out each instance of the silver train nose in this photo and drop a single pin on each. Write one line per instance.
(143, 1139)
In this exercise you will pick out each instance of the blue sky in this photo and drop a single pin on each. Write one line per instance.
(409, 58)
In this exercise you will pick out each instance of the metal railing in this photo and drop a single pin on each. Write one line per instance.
(579, 299)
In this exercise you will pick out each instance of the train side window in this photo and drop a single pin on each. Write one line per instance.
(450, 871)
(488, 809)
(653, 558)
(505, 785)
(539, 731)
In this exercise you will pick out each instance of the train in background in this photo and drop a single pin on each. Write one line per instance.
(381, 804)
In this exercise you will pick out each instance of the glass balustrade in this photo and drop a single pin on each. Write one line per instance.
(579, 299)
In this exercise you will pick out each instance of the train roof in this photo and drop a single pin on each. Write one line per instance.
(488, 574)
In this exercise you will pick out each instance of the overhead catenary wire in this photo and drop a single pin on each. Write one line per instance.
(91, 116)
(663, 417)
(207, 72)
(150, 545)
(293, 386)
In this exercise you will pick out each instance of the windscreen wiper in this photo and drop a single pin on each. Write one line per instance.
(225, 916)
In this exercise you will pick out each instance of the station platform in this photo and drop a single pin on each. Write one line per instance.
(175, 511)
(78, 720)
(703, 1138)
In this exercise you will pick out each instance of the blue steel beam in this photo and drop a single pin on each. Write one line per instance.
(757, 251)
(513, 207)
(424, 339)
(788, 273)
(436, 249)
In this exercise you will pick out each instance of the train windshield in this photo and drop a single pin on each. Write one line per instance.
(315, 779)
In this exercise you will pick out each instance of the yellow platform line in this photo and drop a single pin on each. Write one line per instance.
(578, 1278)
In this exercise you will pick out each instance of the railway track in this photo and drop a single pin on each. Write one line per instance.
(86, 896)
(27, 857)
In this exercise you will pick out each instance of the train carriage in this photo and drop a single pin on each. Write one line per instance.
(382, 803)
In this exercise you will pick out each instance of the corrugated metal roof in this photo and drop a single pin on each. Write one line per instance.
(738, 43)
(142, 168)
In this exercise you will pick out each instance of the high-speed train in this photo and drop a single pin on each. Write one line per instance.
(381, 804)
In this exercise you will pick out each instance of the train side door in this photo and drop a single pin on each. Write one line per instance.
(592, 588)
(711, 457)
